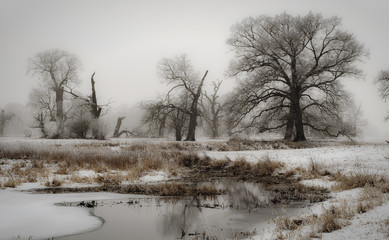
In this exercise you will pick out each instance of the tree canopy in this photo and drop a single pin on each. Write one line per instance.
(290, 69)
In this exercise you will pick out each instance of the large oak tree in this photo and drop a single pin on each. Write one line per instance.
(291, 67)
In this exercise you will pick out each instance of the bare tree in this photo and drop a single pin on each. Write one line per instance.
(156, 116)
(383, 86)
(58, 70)
(117, 133)
(42, 100)
(170, 114)
(290, 65)
(212, 109)
(383, 81)
(4, 118)
(179, 73)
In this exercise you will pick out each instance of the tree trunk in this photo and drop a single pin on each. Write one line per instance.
(162, 125)
(289, 128)
(59, 113)
(192, 122)
(117, 128)
(2, 122)
(194, 111)
(215, 130)
(178, 130)
(298, 122)
(96, 110)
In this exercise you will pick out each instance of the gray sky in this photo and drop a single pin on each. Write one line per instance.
(124, 40)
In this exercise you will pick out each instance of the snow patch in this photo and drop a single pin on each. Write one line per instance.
(155, 176)
(86, 173)
(36, 215)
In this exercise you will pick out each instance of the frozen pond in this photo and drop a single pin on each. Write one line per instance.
(241, 212)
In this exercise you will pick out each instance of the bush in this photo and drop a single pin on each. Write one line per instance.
(188, 160)
(54, 183)
(79, 128)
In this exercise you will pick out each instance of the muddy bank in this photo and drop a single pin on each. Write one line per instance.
(283, 191)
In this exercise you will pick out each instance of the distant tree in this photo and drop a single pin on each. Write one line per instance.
(4, 118)
(178, 118)
(179, 74)
(383, 86)
(156, 116)
(58, 70)
(42, 101)
(291, 65)
(117, 133)
(212, 109)
(383, 81)
(91, 100)
(170, 114)
(93, 107)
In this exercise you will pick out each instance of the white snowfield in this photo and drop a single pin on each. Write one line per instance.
(36, 215)
(366, 158)
(25, 214)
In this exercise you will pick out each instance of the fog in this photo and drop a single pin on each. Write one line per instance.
(123, 41)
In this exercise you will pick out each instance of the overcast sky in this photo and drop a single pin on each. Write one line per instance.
(123, 41)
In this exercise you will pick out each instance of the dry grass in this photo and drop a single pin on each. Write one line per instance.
(53, 183)
(359, 180)
(331, 219)
(136, 160)
(11, 183)
(312, 171)
(340, 212)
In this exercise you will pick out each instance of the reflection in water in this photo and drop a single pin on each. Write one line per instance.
(237, 212)
(247, 195)
(222, 216)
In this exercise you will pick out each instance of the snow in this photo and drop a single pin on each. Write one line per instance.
(373, 158)
(86, 173)
(25, 214)
(155, 176)
(373, 225)
(365, 158)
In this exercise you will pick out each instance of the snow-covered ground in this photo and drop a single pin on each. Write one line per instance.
(26, 214)
(368, 158)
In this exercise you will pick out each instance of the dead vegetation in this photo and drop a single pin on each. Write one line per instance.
(116, 166)
(360, 180)
(373, 191)
(157, 189)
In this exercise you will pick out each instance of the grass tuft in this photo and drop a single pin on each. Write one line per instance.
(54, 183)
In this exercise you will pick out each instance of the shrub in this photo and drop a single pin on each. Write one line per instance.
(188, 160)
(11, 183)
(79, 128)
(54, 183)
(266, 167)
(356, 181)
(329, 220)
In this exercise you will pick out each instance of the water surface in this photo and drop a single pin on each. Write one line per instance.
(241, 212)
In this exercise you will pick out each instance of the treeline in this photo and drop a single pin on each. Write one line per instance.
(289, 71)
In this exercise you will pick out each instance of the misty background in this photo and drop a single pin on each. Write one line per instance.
(123, 41)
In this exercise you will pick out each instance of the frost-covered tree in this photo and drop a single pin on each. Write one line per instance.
(290, 66)
(58, 71)
(383, 86)
(212, 109)
(179, 74)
